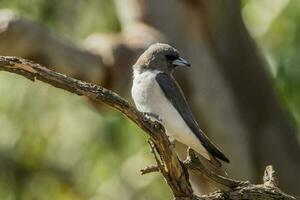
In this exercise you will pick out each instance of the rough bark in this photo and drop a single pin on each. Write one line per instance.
(173, 170)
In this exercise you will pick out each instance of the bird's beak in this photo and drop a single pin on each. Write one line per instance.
(181, 62)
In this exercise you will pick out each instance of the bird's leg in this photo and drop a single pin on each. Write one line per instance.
(155, 117)
(172, 141)
(152, 116)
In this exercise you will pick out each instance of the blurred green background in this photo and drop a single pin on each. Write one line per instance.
(49, 150)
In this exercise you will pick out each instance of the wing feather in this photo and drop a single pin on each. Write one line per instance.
(174, 93)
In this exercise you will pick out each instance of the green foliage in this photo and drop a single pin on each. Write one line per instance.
(73, 19)
(287, 54)
(279, 38)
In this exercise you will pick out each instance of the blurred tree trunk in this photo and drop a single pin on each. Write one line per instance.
(228, 85)
(272, 135)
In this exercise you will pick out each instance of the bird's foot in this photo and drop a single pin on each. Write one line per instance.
(172, 144)
(152, 117)
(172, 141)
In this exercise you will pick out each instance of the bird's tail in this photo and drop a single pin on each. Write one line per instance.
(200, 183)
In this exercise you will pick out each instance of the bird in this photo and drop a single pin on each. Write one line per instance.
(156, 93)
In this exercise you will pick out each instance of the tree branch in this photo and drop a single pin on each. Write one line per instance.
(173, 170)
(193, 163)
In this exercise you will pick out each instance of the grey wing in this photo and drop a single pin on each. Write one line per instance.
(173, 92)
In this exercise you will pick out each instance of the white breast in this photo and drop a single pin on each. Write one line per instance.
(149, 97)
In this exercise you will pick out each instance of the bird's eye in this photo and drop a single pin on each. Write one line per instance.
(171, 57)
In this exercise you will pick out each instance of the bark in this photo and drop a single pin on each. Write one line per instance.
(173, 170)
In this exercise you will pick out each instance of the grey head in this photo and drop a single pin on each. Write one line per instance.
(162, 57)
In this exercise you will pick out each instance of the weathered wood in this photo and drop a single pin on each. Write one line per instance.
(173, 170)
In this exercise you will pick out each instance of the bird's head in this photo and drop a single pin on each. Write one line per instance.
(162, 57)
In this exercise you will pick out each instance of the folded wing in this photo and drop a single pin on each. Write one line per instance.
(173, 92)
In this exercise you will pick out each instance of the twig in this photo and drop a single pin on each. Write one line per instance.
(149, 169)
(192, 162)
(270, 178)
